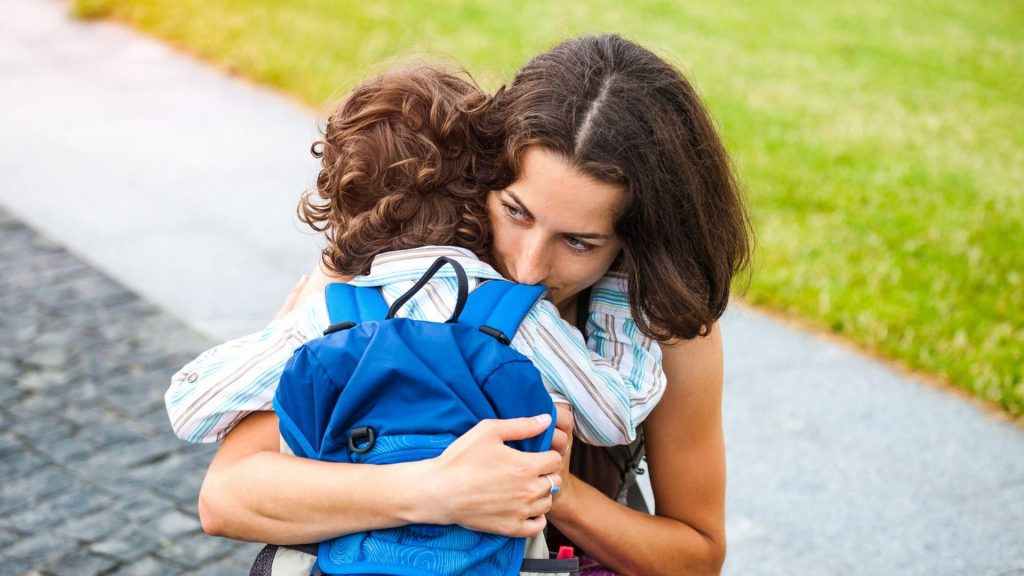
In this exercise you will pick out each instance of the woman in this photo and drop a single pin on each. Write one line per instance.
(604, 159)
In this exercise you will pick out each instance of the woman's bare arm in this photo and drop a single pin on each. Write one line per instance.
(253, 492)
(686, 459)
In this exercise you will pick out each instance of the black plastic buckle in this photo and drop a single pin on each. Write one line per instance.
(495, 333)
(360, 435)
(338, 327)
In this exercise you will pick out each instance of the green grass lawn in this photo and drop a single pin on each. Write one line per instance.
(881, 143)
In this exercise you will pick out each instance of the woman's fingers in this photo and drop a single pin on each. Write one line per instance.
(559, 441)
(531, 526)
(486, 485)
(310, 284)
(520, 428)
(552, 484)
(562, 442)
(563, 429)
(546, 463)
(293, 295)
(319, 278)
(539, 507)
(565, 421)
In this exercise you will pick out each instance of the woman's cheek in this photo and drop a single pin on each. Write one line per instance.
(589, 270)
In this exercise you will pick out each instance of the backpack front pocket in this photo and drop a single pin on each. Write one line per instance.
(397, 448)
(416, 549)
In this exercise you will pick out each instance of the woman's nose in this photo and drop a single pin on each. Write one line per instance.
(533, 265)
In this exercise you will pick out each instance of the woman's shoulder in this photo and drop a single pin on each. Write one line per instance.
(696, 362)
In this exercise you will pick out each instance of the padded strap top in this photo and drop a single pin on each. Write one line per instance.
(500, 306)
(348, 303)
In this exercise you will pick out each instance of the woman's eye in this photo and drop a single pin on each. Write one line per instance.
(514, 212)
(578, 245)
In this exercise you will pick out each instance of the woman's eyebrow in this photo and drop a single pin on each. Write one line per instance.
(586, 235)
(519, 203)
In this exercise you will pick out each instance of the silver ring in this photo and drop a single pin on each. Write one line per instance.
(551, 483)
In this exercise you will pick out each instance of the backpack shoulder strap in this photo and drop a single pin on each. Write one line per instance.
(348, 303)
(498, 307)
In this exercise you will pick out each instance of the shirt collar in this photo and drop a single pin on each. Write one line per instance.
(410, 264)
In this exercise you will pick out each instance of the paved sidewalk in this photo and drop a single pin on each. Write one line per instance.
(92, 481)
(173, 188)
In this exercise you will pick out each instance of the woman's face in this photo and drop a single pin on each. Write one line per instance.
(555, 226)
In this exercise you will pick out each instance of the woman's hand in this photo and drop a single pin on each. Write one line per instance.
(562, 443)
(308, 285)
(485, 485)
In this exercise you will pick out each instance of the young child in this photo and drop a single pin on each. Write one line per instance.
(395, 192)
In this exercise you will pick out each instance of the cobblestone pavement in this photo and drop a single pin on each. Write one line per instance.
(92, 481)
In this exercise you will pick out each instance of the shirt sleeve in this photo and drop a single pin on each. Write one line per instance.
(212, 393)
(613, 334)
(612, 382)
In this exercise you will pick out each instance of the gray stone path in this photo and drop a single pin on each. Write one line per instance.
(93, 482)
(175, 181)
(179, 184)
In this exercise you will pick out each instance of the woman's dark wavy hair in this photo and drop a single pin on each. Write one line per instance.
(620, 114)
(398, 160)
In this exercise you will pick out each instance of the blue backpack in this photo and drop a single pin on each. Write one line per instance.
(376, 389)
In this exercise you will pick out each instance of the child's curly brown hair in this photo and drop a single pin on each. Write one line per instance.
(398, 163)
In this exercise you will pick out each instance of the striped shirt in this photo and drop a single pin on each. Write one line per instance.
(612, 381)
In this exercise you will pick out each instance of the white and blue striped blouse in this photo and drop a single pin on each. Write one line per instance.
(612, 381)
